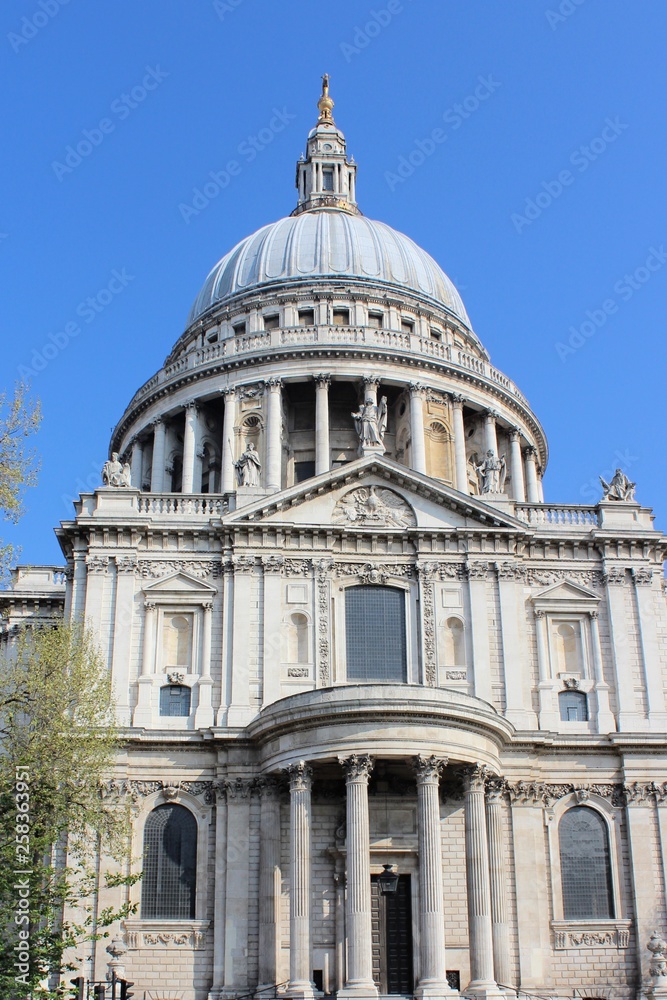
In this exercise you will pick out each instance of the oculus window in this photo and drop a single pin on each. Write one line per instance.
(375, 634)
(585, 866)
(170, 864)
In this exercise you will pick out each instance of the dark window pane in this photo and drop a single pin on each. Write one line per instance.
(303, 470)
(175, 700)
(375, 634)
(327, 180)
(573, 706)
(584, 865)
(170, 864)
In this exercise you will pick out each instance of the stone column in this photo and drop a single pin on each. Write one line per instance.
(220, 886)
(322, 446)
(433, 964)
(417, 395)
(190, 446)
(274, 434)
(137, 464)
(228, 479)
(157, 467)
(359, 981)
(516, 467)
(532, 488)
(605, 719)
(461, 461)
(642, 578)
(482, 982)
(143, 712)
(630, 713)
(300, 984)
(269, 882)
(502, 966)
(490, 435)
(204, 713)
(548, 715)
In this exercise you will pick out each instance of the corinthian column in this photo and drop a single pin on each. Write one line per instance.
(274, 434)
(516, 467)
(157, 464)
(322, 446)
(358, 904)
(190, 446)
(490, 434)
(229, 420)
(433, 980)
(417, 394)
(482, 982)
(532, 488)
(300, 984)
(269, 882)
(459, 444)
(502, 966)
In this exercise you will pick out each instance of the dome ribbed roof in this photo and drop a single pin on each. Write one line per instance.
(329, 244)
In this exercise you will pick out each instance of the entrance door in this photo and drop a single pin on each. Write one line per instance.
(392, 937)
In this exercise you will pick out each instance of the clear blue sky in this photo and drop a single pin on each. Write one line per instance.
(578, 94)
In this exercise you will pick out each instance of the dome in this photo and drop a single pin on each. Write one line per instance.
(328, 243)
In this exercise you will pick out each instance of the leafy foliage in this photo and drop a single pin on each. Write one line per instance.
(20, 417)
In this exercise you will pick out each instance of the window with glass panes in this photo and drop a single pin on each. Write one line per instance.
(170, 864)
(375, 634)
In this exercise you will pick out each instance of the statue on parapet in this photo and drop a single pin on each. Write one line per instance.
(620, 488)
(116, 473)
(492, 473)
(248, 467)
(370, 422)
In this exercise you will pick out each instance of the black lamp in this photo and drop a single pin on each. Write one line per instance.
(388, 880)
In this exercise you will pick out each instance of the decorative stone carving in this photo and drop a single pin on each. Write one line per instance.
(97, 564)
(492, 472)
(357, 766)
(175, 676)
(374, 573)
(429, 768)
(193, 936)
(643, 577)
(456, 675)
(244, 563)
(543, 794)
(298, 672)
(118, 788)
(116, 473)
(273, 563)
(592, 934)
(374, 506)
(155, 569)
(571, 683)
(323, 569)
(511, 571)
(300, 776)
(370, 420)
(247, 391)
(477, 571)
(620, 487)
(126, 564)
(297, 567)
(248, 467)
(615, 575)
(658, 964)
(427, 598)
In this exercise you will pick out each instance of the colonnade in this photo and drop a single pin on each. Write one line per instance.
(488, 919)
(523, 468)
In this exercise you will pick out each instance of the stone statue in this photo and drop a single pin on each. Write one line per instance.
(492, 473)
(620, 488)
(116, 473)
(248, 467)
(370, 422)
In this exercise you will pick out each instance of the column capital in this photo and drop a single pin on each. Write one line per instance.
(418, 389)
(322, 379)
(229, 390)
(371, 380)
(269, 786)
(495, 788)
(300, 777)
(476, 776)
(208, 607)
(191, 404)
(514, 433)
(429, 769)
(594, 615)
(491, 414)
(539, 614)
(274, 383)
(157, 422)
(357, 767)
(530, 452)
(150, 606)
(457, 400)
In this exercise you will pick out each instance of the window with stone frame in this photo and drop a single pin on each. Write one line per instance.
(573, 706)
(175, 701)
(177, 636)
(375, 634)
(170, 864)
(567, 646)
(585, 865)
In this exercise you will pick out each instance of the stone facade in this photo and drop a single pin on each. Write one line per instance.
(533, 664)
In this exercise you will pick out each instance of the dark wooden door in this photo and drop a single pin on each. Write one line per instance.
(392, 937)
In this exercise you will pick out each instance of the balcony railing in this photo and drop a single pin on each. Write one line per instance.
(558, 515)
(183, 504)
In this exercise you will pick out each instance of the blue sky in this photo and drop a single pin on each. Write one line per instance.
(545, 202)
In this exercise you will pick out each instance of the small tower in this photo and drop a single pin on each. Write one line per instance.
(326, 178)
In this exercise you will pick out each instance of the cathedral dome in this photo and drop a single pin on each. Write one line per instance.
(328, 243)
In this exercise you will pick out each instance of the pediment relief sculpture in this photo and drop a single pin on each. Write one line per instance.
(375, 507)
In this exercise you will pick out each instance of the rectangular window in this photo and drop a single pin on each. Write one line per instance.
(407, 326)
(303, 470)
(239, 329)
(327, 180)
(375, 634)
(341, 317)
(272, 322)
(435, 334)
(375, 320)
(306, 317)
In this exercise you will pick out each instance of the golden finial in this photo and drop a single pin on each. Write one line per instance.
(325, 104)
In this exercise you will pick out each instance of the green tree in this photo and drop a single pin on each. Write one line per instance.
(20, 417)
(57, 744)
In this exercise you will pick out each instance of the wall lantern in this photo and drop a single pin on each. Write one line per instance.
(388, 880)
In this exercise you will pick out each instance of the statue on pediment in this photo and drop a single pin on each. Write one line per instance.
(620, 487)
(116, 473)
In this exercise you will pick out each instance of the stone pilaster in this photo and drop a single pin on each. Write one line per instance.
(190, 445)
(322, 445)
(359, 981)
(490, 433)
(269, 882)
(482, 982)
(606, 722)
(418, 447)
(137, 464)
(502, 965)
(516, 466)
(143, 710)
(548, 715)
(532, 487)
(228, 424)
(300, 984)
(204, 713)
(158, 461)
(433, 978)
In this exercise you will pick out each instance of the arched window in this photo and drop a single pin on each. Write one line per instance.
(170, 864)
(375, 634)
(573, 706)
(584, 865)
(175, 700)
(454, 643)
(297, 638)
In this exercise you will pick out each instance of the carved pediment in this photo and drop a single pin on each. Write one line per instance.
(375, 507)
(179, 585)
(565, 596)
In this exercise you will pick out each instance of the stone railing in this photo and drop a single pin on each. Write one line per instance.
(558, 515)
(265, 341)
(183, 504)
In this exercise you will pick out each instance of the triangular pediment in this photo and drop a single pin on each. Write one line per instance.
(180, 584)
(565, 594)
(375, 493)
